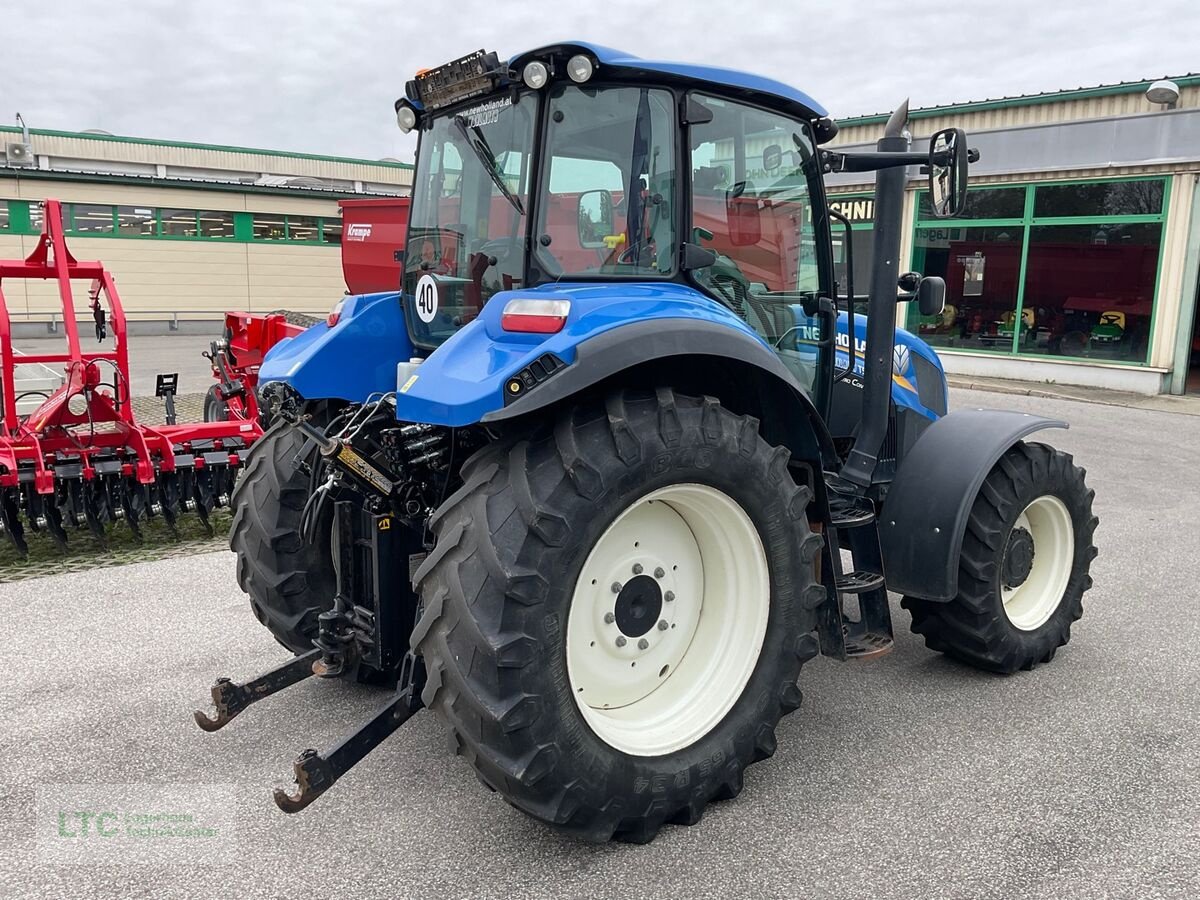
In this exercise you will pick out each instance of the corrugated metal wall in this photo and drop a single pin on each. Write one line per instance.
(1032, 114)
(194, 278)
(118, 151)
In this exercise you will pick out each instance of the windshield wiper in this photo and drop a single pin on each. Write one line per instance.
(483, 151)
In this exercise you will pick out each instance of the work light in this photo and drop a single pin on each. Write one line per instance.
(535, 75)
(406, 118)
(579, 68)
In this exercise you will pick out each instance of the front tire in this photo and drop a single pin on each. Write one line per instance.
(523, 660)
(1024, 565)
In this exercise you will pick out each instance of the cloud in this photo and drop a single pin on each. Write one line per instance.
(322, 77)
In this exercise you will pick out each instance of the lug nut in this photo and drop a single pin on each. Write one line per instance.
(609, 618)
(669, 596)
(616, 587)
(621, 642)
(643, 644)
(659, 573)
(637, 568)
(662, 625)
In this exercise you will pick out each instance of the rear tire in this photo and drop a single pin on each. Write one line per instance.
(290, 582)
(518, 574)
(1024, 565)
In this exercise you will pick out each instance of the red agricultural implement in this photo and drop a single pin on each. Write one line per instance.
(372, 244)
(81, 459)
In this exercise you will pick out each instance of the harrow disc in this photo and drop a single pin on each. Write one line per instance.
(98, 500)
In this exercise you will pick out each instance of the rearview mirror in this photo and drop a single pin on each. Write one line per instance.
(741, 212)
(948, 172)
(595, 219)
(772, 157)
(931, 296)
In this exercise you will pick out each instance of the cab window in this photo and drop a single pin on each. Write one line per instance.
(608, 185)
(751, 172)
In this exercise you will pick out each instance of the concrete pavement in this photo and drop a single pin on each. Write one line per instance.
(911, 776)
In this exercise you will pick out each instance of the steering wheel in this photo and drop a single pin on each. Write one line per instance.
(500, 248)
(1110, 319)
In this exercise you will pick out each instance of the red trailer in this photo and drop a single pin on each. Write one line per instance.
(372, 259)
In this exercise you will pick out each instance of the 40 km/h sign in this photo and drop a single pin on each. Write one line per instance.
(427, 298)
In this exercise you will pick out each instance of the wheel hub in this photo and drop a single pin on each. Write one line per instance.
(1032, 583)
(667, 619)
(1018, 558)
(639, 605)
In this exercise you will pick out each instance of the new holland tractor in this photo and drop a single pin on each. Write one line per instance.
(619, 456)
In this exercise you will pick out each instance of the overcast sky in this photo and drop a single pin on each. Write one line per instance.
(321, 77)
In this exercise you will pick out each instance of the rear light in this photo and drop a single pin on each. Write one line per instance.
(535, 316)
(335, 313)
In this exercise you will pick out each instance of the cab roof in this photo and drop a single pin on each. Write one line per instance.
(765, 91)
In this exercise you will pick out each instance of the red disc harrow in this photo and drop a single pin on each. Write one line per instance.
(81, 459)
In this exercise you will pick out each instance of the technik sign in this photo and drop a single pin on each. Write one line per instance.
(859, 210)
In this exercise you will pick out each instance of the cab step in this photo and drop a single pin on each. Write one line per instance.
(859, 582)
(862, 643)
(851, 518)
(855, 620)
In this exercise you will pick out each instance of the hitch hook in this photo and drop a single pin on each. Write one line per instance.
(231, 699)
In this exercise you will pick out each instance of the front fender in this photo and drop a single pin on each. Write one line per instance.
(925, 515)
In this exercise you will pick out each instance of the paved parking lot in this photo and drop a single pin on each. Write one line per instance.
(907, 777)
(148, 356)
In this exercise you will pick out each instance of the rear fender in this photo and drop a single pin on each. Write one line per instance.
(925, 515)
(348, 361)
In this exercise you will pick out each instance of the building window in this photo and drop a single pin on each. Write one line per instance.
(1071, 271)
(90, 219)
(303, 228)
(1089, 290)
(1103, 198)
(331, 231)
(5, 219)
(179, 223)
(136, 221)
(215, 224)
(985, 203)
(270, 227)
(982, 268)
(860, 210)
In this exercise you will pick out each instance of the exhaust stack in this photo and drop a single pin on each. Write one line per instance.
(881, 320)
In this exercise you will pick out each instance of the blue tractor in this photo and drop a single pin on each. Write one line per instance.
(620, 456)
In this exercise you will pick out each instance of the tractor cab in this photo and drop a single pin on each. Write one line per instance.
(573, 166)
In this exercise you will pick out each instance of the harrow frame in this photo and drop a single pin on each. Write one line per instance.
(82, 457)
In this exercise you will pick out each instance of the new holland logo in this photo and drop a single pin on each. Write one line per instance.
(900, 359)
(358, 232)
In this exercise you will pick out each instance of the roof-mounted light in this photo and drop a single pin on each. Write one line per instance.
(580, 68)
(535, 75)
(406, 117)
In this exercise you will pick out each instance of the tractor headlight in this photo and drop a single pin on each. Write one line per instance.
(580, 68)
(535, 74)
(406, 117)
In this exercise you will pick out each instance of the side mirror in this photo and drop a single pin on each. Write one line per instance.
(931, 296)
(948, 158)
(595, 217)
(772, 157)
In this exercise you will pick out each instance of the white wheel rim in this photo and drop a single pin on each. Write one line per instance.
(656, 692)
(1030, 604)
